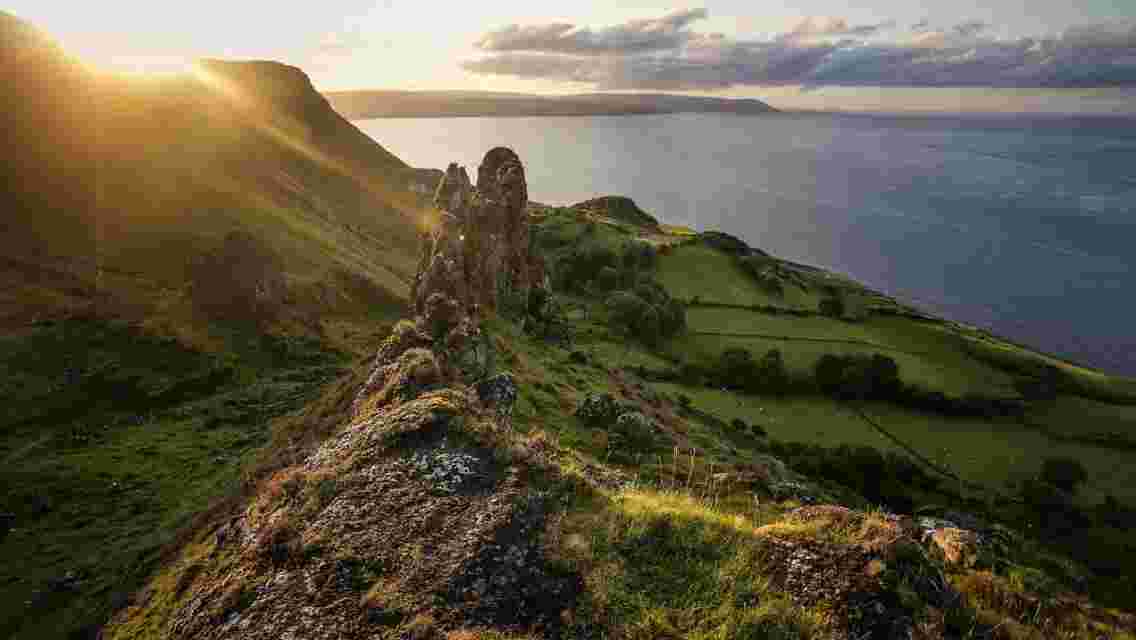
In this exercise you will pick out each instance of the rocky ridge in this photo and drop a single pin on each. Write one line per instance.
(414, 518)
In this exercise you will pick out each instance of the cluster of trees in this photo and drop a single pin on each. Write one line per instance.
(737, 369)
(646, 312)
(890, 479)
(859, 377)
(764, 272)
(596, 266)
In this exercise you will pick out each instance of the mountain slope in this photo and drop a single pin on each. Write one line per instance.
(189, 268)
(141, 175)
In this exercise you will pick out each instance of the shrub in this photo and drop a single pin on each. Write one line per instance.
(738, 424)
(771, 373)
(634, 430)
(858, 377)
(647, 313)
(608, 279)
(1064, 473)
(598, 410)
(829, 372)
(832, 307)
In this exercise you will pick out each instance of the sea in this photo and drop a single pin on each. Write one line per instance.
(1022, 225)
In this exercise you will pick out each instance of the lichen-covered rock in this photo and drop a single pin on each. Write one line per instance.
(498, 393)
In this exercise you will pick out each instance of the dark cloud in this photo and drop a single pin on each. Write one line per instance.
(666, 54)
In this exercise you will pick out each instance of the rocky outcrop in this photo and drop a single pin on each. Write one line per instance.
(478, 252)
(621, 209)
(418, 515)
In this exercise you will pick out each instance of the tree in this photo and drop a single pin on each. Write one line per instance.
(771, 373)
(832, 307)
(608, 278)
(736, 368)
(1063, 472)
(829, 372)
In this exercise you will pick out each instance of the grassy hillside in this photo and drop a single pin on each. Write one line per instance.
(957, 375)
(188, 264)
(197, 273)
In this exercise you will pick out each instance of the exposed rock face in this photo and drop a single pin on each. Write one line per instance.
(479, 250)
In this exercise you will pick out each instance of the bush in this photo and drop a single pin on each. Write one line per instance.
(598, 410)
(635, 431)
(858, 377)
(1064, 473)
(832, 307)
(771, 373)
(648, 313)
(736, 368)
(738, 424)
(608, 279)
(639, 256)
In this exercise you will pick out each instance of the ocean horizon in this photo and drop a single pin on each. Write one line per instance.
(1021, 225)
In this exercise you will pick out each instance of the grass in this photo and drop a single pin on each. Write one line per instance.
(666, 564)
(928, 356)
(791, 418)
(700, 271)
(114, 439)
(995, 453)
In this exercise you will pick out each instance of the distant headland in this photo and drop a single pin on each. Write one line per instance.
(359, 105)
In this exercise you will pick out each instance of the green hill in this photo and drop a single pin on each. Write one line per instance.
(184, 262)
(215, 424)
(577, 475)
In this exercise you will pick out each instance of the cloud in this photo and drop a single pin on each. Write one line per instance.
(667, 54)
(829, 26)
(636, 36)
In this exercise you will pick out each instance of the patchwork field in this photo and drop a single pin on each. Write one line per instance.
(699, 271)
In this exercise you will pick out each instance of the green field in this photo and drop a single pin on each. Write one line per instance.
(699, 271)
(112, 439)
(1076, 416)
(792, 418)
(997, 452)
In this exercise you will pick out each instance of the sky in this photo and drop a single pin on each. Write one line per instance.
(880, 55)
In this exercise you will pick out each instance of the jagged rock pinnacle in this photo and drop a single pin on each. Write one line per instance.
(479, 250)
